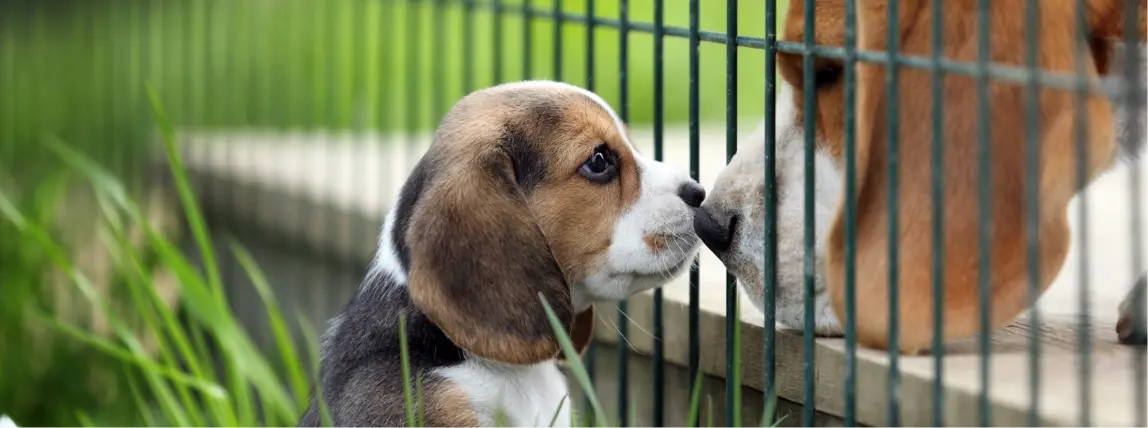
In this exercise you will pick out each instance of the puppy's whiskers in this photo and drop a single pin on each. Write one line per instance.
(631, 322)
(619, 331)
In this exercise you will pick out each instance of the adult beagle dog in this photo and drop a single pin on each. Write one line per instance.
(529, 190)
(731, 221)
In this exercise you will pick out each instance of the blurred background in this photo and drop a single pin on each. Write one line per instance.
(121, 305)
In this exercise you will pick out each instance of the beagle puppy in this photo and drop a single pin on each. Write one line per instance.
(731, 221)
(529, 190)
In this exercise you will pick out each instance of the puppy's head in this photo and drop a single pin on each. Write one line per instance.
(532, 189)
(735, 209)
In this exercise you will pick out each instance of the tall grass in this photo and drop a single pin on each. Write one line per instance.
(183, 361)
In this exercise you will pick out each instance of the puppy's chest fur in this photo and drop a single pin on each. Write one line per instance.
(362, 377)
(525, 395)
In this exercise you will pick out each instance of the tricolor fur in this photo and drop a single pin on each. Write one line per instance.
(529, 189)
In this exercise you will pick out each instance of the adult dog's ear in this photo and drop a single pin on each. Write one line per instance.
(1108, 18)
(1057, 127)
(478, 260)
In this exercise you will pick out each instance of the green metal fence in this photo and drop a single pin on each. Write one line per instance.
(390, 65)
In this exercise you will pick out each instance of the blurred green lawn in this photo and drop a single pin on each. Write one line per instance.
(346, 64)
(353, 64)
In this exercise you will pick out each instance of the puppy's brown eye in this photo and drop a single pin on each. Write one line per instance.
(601, 167)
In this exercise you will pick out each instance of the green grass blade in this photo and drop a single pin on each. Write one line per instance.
(632, 417)
(769, 413)
(151, 309)
(558, 411)
(142, 406)
(408, 405)
(84, 419)
(313, 346)
(135, 353)
(135, 281)
(54, 252)
(695, 401)
(194, 219)
(107, 347)
(287, 349)
(574, 360)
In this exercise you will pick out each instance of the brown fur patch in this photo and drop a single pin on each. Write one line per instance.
(505, 216)
(1056, 129)
(581, 332)
(448, 406)
(655, 242)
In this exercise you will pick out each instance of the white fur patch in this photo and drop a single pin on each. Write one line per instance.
(387, 257)
(6, 422)
(525, 395)
(739, 190)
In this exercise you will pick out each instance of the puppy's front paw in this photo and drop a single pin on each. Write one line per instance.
(1127, 328)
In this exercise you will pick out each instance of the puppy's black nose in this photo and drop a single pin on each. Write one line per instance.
(692, 193)
(715, 233)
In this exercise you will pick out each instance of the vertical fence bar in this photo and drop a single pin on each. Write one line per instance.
(438, 61)
(592, 347)
(850, 143)
(332, 126)
(984, 214)
(1084, 329)
(732, 321)
(1032, 201)
(1132, 102)
(8, 80)
(299, 111)
(659, 394)
(388, 57)
(496, 39)
(383, 91)
(809, 255)
(341, 76)
(558, 40)
(468, 39)
(185, 106)
(893, 147)
(624, 115)
(114, 72)
(200, 57)
(413, 105)
(770, 198)
(694, 308)
(362, 108)
(590, 46)
(271, 98)
(527, 57)
(938, 160)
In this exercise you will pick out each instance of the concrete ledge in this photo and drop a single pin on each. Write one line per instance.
(329, 192)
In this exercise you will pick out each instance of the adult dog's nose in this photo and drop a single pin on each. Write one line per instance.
(715, 231)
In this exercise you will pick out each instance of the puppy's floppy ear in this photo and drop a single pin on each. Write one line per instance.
(581, 332)
(1057, 126)
(478, 260)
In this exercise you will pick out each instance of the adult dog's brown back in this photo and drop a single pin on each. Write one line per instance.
(1057, 125)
